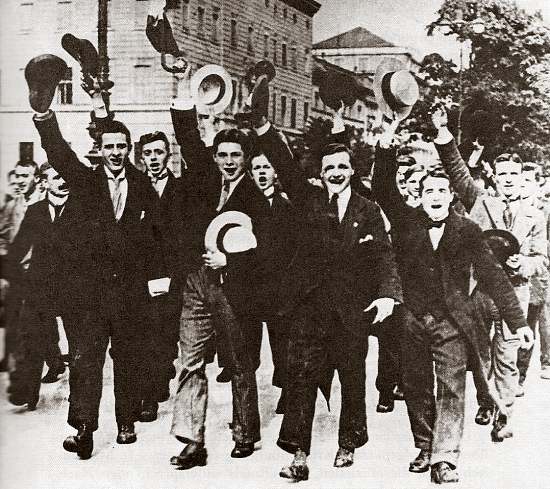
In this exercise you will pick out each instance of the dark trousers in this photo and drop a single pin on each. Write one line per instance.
(437, 423)
(88, 334)
(206, 313)
(37, 342)
(161, 348)
(279, 343)
(389, 355)
(317, 347)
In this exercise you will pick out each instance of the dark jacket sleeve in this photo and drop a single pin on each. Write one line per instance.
(22, 244)
(384, 186)
(59, 153)
(461, 180)
(495, 283)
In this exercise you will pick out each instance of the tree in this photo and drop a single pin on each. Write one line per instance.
(507, 78)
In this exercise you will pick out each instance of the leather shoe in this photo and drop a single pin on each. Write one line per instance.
(443, 473)
(385, 404)
(224, 376)
(126, 434)
(242, 450)
(17, 399)
(149, 411)
(421, 463)
(43, 73)
(297, 470)
(53, 374)
(193, 455)
(344, 457)
(501, 428)
(484, 415)
(82, 443)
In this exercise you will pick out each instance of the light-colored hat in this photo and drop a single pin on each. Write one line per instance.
(212, 89)
(230, 232)
(395, 89)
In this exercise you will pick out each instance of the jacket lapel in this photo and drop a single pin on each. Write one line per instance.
(523, 222)
(494, 207)
(351, 223)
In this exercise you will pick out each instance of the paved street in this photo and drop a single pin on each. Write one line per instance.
(33, 458)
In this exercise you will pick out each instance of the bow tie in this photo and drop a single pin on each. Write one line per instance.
(436, 224)
(159, 178)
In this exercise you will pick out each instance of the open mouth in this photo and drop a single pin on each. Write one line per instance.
(262, 179)
(437, 206)
(336, 180)
(230, 171)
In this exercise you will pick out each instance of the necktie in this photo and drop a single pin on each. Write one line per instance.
(57, 209)
(223, 196)
(334, 222)
(117, 198)
(507, 215)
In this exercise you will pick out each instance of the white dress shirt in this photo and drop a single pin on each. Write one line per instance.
(121, 177)
(435, 235)
(159, 183)
(53, 202)
(343, 201)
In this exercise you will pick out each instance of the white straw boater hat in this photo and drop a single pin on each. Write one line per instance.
(395, 89)
(230, 232)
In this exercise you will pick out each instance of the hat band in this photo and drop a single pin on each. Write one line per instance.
(388, 95)
(221, 235)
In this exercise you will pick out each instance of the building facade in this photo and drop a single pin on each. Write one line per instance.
(233, 34)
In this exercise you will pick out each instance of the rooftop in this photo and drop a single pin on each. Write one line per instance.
(356, 38)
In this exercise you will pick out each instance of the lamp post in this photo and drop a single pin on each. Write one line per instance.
(94, 155)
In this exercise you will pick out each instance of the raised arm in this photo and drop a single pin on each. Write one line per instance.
(452, 162)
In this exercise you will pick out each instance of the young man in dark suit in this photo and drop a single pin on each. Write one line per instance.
(343, 266)
(219, 296)
(42, 236)
(111, 254)
(441, 257)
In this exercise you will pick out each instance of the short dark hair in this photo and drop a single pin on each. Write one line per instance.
(28, 164)
(11, 174)
(333, 148)
(405, 160)
(233, 136)
(154, 136)
(114, 127)
(505, 157)
(531, 166)
(434, 174)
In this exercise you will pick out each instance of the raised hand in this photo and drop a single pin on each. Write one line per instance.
(439, 116)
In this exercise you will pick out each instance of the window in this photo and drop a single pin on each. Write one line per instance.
(307, 24)
(283, 54)
(26, 151)
(306, 112)
(234, 95)
(233, 33)
(185, 14)
(317, 98)
(293, 59)
(25, 17)
(267, 3)
(200, 21)
(250, 41)
(266, 46)
(294, 18)
(274, 116)
(64, 15)
(285, 13)
(283, 109)
(144, 86)
(274, 51)
(359, 109)
(274, 8)
(65, 88)
(215, 25)
(293, 112)
(173, 3)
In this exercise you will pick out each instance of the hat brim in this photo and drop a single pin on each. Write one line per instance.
(223, 220)
(224, 100)
(504, 237)
(388, 65)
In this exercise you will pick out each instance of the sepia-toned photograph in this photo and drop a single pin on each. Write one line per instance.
(247, 244)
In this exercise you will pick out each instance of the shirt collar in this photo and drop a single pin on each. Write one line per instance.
(269, 192)
(343, 196)
(57, 201)
(234, 183)
(121, 176)
(162, 176)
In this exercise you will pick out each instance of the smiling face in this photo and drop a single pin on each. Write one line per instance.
(400, 180)
(155, 157)
(114, 149)
(436, 197)
(413, 184)
(26, 179)
(530, 186)
(336, 171)
(230, 160)
(508, 178)
(56, 185)
(263, 172)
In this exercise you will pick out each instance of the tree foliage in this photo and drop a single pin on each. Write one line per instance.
(503, 90)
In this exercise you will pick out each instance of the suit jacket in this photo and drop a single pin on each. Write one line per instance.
(46, 283)
(529, 226)
(114, 259)
(203, 187)
(358, 270)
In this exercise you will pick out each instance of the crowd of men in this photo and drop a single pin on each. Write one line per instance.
(448, 271)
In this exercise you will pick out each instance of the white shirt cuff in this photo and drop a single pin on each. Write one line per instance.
(182, 104)
(443, 137)
(260, 131)
(42, 116)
